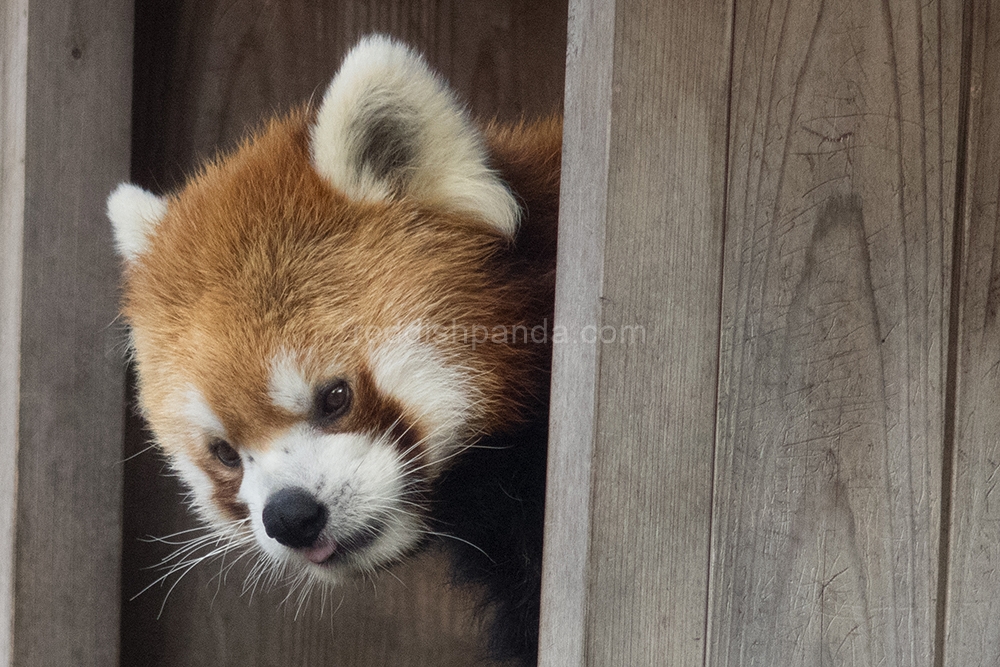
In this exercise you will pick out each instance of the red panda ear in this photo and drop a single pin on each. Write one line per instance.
(388, 127)
(134, 214)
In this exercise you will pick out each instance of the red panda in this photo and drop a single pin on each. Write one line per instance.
(341, 333)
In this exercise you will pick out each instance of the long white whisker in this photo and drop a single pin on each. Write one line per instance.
(218, 541)
(453, 537)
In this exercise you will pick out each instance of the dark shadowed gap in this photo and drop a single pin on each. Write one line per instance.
(718, 330)
(954, 310)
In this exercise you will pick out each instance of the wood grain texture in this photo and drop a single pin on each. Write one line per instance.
(66, 105)
(211, 70)
(583, 200)
(13, 100)
(650, 537)
(972, 634)
(834, 333)
(640, 264)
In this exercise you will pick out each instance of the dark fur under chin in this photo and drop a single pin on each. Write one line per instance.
(494, 499)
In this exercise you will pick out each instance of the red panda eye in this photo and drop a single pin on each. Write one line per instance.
(333, 400)
(225, 453)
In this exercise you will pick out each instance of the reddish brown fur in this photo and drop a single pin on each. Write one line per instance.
(258, 254)
(226, 482)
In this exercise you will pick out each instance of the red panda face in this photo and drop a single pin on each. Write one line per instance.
(306, 317)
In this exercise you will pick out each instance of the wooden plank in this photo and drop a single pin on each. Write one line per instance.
(212, 69)
(573, 411)
(640, 265)
(972, 636)
(65, 118)
(13, 100)
(835, 303)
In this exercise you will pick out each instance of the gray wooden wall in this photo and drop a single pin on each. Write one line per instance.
(65, 117)
(782, 217)
(797, 201)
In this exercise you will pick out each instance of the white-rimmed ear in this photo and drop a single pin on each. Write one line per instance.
(389, 127)
(134, 214)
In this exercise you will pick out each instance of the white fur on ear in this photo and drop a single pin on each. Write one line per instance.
(134, 213)
(389, 127)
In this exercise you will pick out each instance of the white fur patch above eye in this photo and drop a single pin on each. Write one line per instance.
(134, 214)
(287, 386)
(389, 127)
(194, 409)
(197, 424)
(440, 396)
(200, 485)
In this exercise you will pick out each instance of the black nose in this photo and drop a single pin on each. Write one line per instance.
(294, 517)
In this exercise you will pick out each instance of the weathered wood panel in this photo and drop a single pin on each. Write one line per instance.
(640, 265)
(583, 199)
(972, 634)
(13, 100)
(65, 142)
(834, 333)
(209, 70)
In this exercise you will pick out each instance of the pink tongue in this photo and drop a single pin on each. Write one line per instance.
(319, 553)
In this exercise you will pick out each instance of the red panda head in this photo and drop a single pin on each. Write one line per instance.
(308, 317)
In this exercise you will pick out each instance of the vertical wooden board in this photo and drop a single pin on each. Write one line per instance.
(652, 486)
(573, 410)
(209, 71)
(972, 633)
(13, 100)
(640, 310)
(835, 302)
(63, 379)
